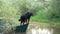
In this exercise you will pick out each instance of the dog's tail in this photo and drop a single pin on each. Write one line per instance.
(19, 20)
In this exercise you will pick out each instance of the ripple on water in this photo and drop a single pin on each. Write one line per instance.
(40, 31)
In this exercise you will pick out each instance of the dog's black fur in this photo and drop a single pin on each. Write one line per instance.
(26, 17)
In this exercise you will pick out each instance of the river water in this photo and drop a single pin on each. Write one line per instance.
(43, 28)
(40, 31)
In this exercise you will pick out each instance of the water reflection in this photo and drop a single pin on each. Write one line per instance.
(56, 31)
(21, 33)
(40, 31)
(37, 29)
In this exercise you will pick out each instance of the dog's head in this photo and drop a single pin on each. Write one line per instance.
(30, 13)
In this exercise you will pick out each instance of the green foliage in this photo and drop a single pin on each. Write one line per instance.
(43, 10)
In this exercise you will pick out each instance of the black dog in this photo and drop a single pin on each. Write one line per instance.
(26, 17)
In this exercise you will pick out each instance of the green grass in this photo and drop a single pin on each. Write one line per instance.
(42, 19)
(39, 19)
(55, 20)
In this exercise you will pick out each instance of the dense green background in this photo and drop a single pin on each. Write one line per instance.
(43, 10)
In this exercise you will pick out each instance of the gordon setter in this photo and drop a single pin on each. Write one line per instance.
(26, 17)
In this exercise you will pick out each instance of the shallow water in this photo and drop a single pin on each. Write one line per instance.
(40, 31)
(43, 28)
